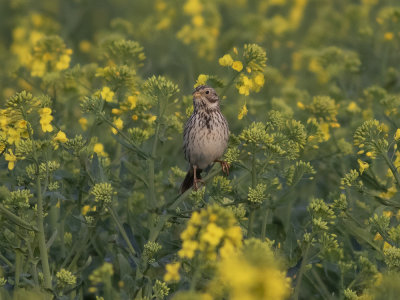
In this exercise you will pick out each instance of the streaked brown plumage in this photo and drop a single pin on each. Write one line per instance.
(205, 136)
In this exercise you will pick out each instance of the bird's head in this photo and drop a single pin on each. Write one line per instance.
(205, 97)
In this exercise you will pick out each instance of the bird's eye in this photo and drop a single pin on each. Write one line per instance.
(207, 92)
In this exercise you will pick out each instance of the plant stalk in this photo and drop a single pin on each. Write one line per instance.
(301, 272)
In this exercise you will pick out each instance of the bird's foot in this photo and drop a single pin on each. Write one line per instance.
(195, 184)
(225, 166)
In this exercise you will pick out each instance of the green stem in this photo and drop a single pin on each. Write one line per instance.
(41, 237)
(78, 253)
(265, 222)
(17, 220)
(253, 184)
(8, 263)
(392, 168)
(33, 267)
(251, 223)
(40, 219)
(228, 85)
(301, 272)
(123, 233)
(129, 144)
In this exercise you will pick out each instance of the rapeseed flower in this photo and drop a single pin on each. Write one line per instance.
(172, 272)
(226, 60)
(107, 94)
(45, 119)
(119, 124)
(11, 158)
(242, 112)
(363, 165)
(60, 137)
(237, 65)
(201, 80)
(210, 231)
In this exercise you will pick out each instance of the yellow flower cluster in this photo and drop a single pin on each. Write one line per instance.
(49, 54)
(202, 32)
(201, 80)
(119, 124)
(99, 150)
(243, 112)
(45, 119)
(247, 84)
(27, 34)
(172, 272)
(60, 137)
(252, 63)
(210, 231)
(107, 94)
(12, 128)
(227, 61)
(252, 273)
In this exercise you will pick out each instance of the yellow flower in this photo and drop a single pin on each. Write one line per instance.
(152, 119)
(119, 124)
(11, 158)
(226, 60)
(45, 119)
(198, 20)
(85, 210)
(193, 7)
(132, 101)
(201, 80)
(21, 124)
(83, 122)
(388, 36)
(227, 249)
(363, 165)
(38, 68)
(107, 94)
(237, 65)
(242, 112)
(259, 80)
(397, 135)
(116, 111)
(135, 117)
(63, 62)
(213, 234)
(353, 107)
(99, 149)
(235, 235)
(189, 232)
(387, 213)
(85, 46)
(245, 85)
(60, 137)
(300, 105)
(13, 136)
(325, 131)
(195, 218)
(172, 272)
(370, 154)
(188, 249)
(386, 245)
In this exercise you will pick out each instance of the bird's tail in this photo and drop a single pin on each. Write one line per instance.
(188, 181)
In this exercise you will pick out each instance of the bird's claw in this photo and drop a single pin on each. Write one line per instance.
(195, 186)
(225, 166)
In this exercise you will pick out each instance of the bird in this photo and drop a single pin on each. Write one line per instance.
(205, 136)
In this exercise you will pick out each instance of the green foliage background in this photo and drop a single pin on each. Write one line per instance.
(94, 96)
